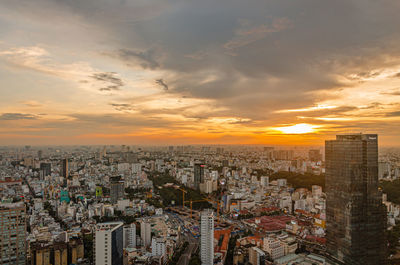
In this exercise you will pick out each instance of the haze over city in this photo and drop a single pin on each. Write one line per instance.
(198, 72)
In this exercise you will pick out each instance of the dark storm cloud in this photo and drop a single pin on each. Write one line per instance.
(113, 83)
(162, 84)
(17, 116)
(293, 47)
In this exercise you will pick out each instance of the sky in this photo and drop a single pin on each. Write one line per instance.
(290, 72)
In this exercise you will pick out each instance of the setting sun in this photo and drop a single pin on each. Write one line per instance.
(298, 128)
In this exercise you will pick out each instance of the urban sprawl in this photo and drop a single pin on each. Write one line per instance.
(198, 204)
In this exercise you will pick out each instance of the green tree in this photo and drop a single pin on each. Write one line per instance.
(298, 180)
(88, 247)
(392, 189)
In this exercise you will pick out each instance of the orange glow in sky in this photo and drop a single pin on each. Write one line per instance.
(300, 128)
(157, 72)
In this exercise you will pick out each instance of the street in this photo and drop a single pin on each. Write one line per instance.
(193, 245)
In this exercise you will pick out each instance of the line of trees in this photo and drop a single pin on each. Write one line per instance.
(298, 180)
(392, 189)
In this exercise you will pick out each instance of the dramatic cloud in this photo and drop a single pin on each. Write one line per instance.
(236, 69)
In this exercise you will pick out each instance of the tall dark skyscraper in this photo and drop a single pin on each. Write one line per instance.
(46, 168)
(117, 189)
(198, 175)
(65, 168)
(64, 171)
(355, 215)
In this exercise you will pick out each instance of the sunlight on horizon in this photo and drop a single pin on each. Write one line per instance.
(300, 128)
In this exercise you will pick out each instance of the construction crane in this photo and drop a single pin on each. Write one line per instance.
(183, 196)
(202, 200)
(218, 206)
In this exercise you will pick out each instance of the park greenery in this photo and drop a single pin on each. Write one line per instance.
(298, 180)
(118, 216)
(170, 195)
(88, 246)
(392, 189)
(132, 193)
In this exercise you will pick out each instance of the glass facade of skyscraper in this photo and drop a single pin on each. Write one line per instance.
(356, 217)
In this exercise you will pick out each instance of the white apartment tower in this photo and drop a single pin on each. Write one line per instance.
(207, 237)
(158, 247)
(145, 233)
(109, 244)
(130, 236)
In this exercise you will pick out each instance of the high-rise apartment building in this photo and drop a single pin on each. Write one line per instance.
(109, 244)
(130, 236)
(145, 233)
(158, 247)
(356, 217)
(12, 234)
(64, 168)
(117, 190)
(198, 175)
(207, 237)
(45, 168)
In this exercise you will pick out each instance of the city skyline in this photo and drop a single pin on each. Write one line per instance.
(191, 205)
(198, 72)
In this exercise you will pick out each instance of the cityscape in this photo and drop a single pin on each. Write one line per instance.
(197, 204)
(199, 132)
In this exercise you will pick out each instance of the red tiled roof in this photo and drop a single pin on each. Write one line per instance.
(272, 223)
(226, 234)
(317, 239)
